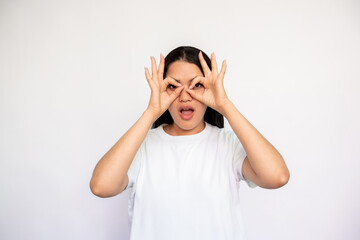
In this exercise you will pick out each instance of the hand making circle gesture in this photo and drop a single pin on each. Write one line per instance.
(160, 99)
(214, 94)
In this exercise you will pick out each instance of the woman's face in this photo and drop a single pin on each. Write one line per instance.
(187, 112)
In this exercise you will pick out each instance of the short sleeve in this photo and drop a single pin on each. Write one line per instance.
(238, 159)
(134, 168)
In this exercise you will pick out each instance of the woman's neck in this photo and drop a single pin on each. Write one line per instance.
(174, 130)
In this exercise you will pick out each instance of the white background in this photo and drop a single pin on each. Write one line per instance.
(72, 83)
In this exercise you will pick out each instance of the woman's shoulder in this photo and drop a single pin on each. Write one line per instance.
(154, 132)
(222, 131)
(225, 134)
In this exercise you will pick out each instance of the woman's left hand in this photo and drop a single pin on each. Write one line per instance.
(214, 94)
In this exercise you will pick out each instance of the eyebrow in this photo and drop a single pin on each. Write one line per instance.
(190, 79)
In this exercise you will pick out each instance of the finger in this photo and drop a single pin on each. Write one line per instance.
(198, 79)
(161, 67)
(204, 65)
(153, 67)
(169, 80)
(195, 95)
(213, 63)
(148, 77)
(223, 70)
(176, 93)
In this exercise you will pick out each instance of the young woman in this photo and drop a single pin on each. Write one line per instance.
(185, 171)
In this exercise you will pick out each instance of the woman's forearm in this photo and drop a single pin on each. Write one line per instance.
(265, 160)
(110, 171)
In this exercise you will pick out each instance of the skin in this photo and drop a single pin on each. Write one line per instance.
(263, 165)
(184, 73)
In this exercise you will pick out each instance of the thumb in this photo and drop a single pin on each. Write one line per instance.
(195, 95)
(176, 93)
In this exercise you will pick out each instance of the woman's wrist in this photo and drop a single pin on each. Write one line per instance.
(225, 108)
(151, 115)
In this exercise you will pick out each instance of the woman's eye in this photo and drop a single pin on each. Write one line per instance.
(198, 85)
(171, 86)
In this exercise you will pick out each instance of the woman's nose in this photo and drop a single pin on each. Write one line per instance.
(184, 95)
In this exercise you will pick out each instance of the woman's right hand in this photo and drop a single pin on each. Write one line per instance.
(160, 99)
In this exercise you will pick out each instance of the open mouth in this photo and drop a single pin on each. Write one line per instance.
(186, 112)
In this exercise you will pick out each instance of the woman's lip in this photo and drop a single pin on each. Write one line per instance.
(186, 115)
(186, 107)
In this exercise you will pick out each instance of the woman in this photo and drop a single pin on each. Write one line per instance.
(185, 172)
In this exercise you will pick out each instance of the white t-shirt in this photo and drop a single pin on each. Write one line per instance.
(187, 187)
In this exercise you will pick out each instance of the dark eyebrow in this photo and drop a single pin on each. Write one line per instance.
(190, 79)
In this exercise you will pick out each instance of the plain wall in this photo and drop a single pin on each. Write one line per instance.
(72, 83)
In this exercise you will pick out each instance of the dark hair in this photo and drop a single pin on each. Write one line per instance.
(189, 54)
